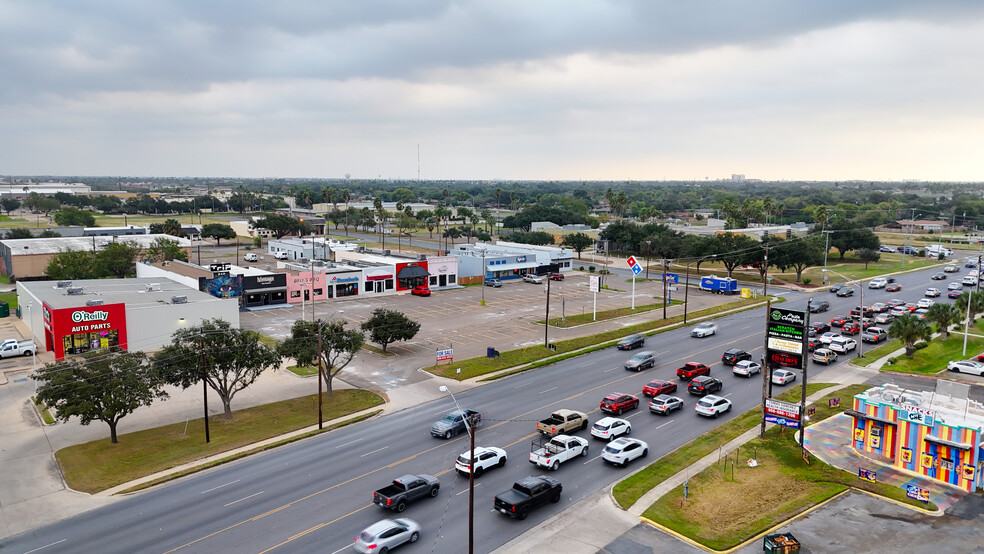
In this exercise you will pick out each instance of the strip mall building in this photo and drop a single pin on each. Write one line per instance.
(934, 434)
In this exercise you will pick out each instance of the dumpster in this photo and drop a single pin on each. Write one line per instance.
(4, 309)
(781, 543)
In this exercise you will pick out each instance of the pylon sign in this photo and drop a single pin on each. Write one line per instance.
(784, 328)
(636, 268)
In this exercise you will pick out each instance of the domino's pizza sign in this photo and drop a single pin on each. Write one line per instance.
(634, 265)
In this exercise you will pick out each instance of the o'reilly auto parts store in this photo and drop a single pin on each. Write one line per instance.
(75, 317)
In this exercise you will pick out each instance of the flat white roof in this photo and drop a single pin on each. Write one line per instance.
(132, 292)
(25, 247)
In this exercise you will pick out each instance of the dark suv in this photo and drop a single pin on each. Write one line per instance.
(630, 342)
(820, 306)
(704, 385)
(734, 355)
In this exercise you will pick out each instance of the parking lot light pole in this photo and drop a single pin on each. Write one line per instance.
(471, 472)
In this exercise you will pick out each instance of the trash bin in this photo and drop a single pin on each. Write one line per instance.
(781, 543)
(4, 309)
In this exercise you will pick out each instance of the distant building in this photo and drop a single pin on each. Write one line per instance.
(23, 189)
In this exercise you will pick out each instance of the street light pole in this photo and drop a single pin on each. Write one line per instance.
(321, 325)
(825, 252)
(484, 276)
(471, 472)
(648, 245)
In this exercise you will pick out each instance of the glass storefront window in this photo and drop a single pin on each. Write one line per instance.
(84, 342)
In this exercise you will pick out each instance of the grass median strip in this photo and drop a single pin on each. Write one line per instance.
(99, 465)
(581, 319)
(729, 502)
(476, 367)
(933, 359)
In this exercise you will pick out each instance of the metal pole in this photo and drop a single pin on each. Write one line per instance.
(471, 491)
(806, 363)
(320, 323)
(664, 289)
(765, 364)
(485, 276)
(546, 319)
(201, 358)
(861, 331)
(765, 281)
(825, 252)
(648, 244)
(970, 298)
(686, 294)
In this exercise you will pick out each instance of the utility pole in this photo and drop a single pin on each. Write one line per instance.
(765, 280)
(825, 252)
(665, 265)
(648, 244)
(806, 363)
(201, 362)
(471, 489)
(766, 373)
(905, 246)
(546, 319)
(319, 374)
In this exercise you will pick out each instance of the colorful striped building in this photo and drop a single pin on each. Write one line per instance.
(936, 434)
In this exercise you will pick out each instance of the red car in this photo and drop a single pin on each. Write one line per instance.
(420, 290)
(851, 328)
(618, 402)
(556, 277)
(658, 387)
(894, 287)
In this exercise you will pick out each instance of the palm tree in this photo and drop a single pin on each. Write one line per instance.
(943, 315)
(976, 304)
(498, 193)
(820, 216)
(909, 329)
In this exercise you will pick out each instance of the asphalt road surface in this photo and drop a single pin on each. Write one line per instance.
(315, 495)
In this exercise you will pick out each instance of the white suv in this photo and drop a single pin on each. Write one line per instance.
(486, 457)
(704, 330)
(712, 406)
(877, 283)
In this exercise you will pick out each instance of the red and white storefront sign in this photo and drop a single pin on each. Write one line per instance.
(84, 328)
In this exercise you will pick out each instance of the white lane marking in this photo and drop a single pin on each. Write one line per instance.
(548, 390)
(220, 486)
(591, 460)
(45, 546)
(374, 451)
(350, 442)
(466, 490)
(633, 415)
(665, 424)
(607, 370)
(347, 547)
(241, 499)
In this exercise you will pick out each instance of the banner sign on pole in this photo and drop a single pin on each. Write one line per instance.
(594, 283)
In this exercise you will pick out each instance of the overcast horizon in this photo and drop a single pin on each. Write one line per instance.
(560, 90)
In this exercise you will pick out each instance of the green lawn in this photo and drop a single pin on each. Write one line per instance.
(11, 299)
(854, 268)
(99, 465)
(580, 319)
(933, 359)
(873, 355)
(303, 370)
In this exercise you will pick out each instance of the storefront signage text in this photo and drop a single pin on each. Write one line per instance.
(79, 317)
(783, 409)
(520, 259)
(344, 279)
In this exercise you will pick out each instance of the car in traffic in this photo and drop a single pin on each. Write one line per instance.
(921, 313)
(839, 320)
(846, 291)
(819, 327)
(622, 451)
(843, 345)
(734, 355)
(899, 311)
(454, 423)
(954, 286)
(493, 283)
(420, 290)
(535, 279)
(884, 318)
(692, 369)
(940, 276)
(852, 327)
(618, 402)
(705, 329)
(925, 303)
(878, 283)
(664, 404)
(657, 387)
(783, 377)
(485, 458)
(610, 428)
(819, 306)
(969, 281)
(879, 307)
(824, 356)
(950, 268)
(746, 368)
(406, 489)
(893, 287)
(527, 494)
(632, 341)
(712, 406)
(836, 287)
(387, 534)
(862, 311)
(932, 292)
(704, 385)
(966, 366)
(827, 337)
(911, 306)
(895, 302)
(641, 360)
(953, 294)
(874, 335)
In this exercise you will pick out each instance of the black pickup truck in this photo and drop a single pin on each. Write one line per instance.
(406, 489)
(529, 493)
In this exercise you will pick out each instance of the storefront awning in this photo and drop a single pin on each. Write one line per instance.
(859, 415)
(267, 289)
(378, 277)
(412, 272)
(944, 442)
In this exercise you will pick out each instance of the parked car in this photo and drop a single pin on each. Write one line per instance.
(734, 355)
(843, 345)
(877, 283)
(618, 402)
(884, 248)
(824, 356)
(404, 490)
(486, 457)
(280, 255)
(704, 385)
(12, 349)
(664, 404)
(420, 290)
(712, 406)
(622, 451)
(819, 306)
(836, 287)
(454, 423)
(705, 329)
(933, 292)
(641, 360)
(251, 257)
(966, 366)
(610, 428)
(746, 368)
(783, 377)
(387, 534)
(692, 369)
(940, 276)
(535, 279)
(556, 276)
(911, 250)
(846, 291)
(563, 421)
(550, 452)
(527, 494)
(893, 287)
(657, 387)
(493, 283)
(632, 341)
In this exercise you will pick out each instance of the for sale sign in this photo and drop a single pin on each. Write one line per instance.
(445, 355)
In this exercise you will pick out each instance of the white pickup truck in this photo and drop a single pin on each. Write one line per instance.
(10, 348)
(557, 450)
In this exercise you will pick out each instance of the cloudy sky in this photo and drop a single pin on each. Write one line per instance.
(497, 89)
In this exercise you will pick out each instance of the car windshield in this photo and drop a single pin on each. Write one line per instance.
(450, 418)
(705, 326)
(640, 357)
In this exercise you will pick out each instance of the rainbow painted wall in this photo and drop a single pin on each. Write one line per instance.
(917, 441)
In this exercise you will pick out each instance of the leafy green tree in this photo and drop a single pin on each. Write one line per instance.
(735, 250)
(171, 227)
(868, 255)
(386, 326)
(73, 264)
(577, 242)
(19, 233)
(70, 215)
(165, 250)
(280, 224)
(909, 329)
(218, 231)
(99, 386)
(800, 254)
(231, 359)
(118, 259)
(852, 236)
(48, 234)
(539, 238)
(338, 346)
(10, 204)
(943, 315)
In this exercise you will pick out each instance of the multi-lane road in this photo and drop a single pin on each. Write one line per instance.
(314, 495)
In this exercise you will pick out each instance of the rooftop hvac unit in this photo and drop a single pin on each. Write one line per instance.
(179, 299)
(63, 284)
(74, 291)
(96, 302)
(318, 263)
(153, 287)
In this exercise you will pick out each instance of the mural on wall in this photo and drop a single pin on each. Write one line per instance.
(224, 286)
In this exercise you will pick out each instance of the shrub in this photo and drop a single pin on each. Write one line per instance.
(920, 345)
(807, 280)
(591, 268)
(581, 268)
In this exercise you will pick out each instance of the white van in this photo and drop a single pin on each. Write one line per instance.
(281, 255)
(251, 257)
